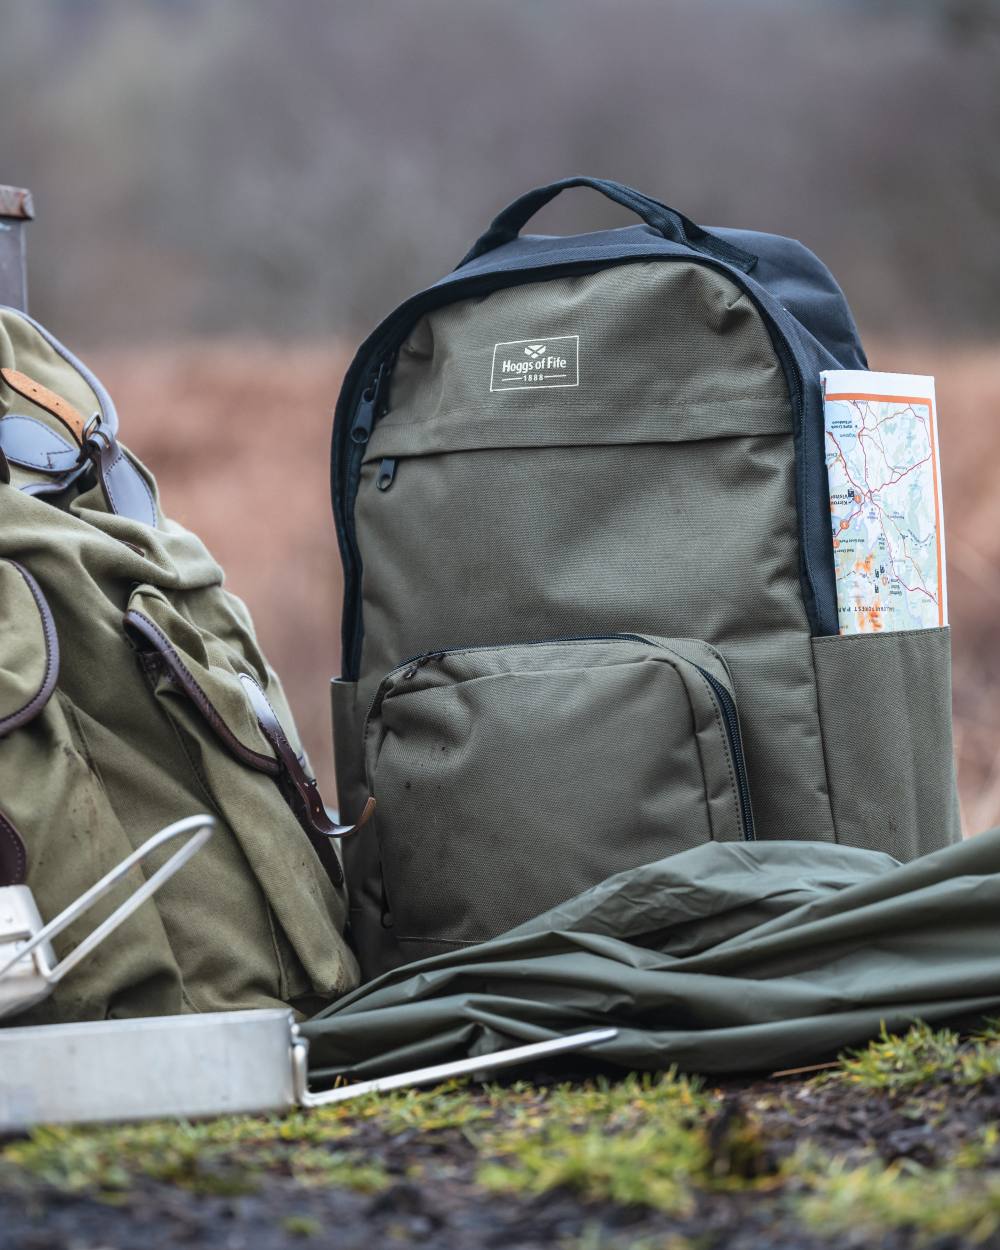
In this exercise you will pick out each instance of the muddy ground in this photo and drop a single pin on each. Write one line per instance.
(896, 1148)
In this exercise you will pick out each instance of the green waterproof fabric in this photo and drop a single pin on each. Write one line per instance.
(724, 958)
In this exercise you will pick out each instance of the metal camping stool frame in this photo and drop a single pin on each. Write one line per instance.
(21, 988)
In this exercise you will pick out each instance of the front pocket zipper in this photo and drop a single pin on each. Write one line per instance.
(728, 708)
(508, 778)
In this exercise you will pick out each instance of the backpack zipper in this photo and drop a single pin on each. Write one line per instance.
(370, 406)
(386, 473)
(408, 669)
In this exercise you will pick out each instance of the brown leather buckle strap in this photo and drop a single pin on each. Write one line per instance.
(123, 485)
(157, 655)
(60, 408)
(301, 790)
(26, 441)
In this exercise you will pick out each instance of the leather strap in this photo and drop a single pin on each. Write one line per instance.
(13, 856)
(20, 716)
(60, 408)
(30, 443)
(299, 788)
(159, 655)
(123, 485)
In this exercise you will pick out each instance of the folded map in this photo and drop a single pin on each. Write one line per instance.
(885, 500)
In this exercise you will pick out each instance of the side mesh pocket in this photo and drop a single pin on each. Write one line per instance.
(885, 712)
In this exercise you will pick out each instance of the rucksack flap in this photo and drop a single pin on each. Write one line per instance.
(619, 432)
(119, 748)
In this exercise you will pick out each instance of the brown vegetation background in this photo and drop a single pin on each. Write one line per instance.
(230, 192)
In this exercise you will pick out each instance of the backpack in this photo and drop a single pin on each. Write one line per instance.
(590, 611)
(132, 694)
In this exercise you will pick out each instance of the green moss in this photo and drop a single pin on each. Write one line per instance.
(302, 1226)
(898, 1063)
(230, 1155)
(219, 1156)
(449, 1106)
(639, 1141)
(921, 1056)
(867, 1201)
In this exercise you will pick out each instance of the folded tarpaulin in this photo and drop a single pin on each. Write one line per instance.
(732, 957)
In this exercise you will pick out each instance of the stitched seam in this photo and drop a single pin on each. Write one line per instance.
(199, 776)
(33, 464)
(83, 746)
(44, 691)
(275, 729)
(106, 478)
(262, 763)
(283, 987)
(831, 798)
(144, 485)
(40, 397)
(121, 458)
(724, 737)
(889, 633)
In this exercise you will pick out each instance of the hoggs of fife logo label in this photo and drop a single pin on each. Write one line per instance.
(527, 364)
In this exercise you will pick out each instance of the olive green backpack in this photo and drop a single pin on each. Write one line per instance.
(133, 693)
(590, 610)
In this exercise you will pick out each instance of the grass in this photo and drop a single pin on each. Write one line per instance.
(922, 1055)
(228, 1156)
(868, 1201)
(637, 1141)
(666, 1144)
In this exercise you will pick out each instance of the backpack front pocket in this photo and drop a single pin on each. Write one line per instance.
(268, 872)
(510, 778)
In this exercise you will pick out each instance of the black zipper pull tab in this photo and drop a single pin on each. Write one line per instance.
(386, 473)
(432, 657)
(368, 408)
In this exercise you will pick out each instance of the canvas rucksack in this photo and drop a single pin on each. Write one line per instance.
(589, 601)
(133, 693)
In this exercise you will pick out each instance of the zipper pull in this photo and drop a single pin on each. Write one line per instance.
(368, 408)
(386, 473)
(417, 664)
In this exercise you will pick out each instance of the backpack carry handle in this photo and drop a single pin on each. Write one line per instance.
(507, 225)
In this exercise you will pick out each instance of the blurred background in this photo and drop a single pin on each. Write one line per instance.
(230, 192)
